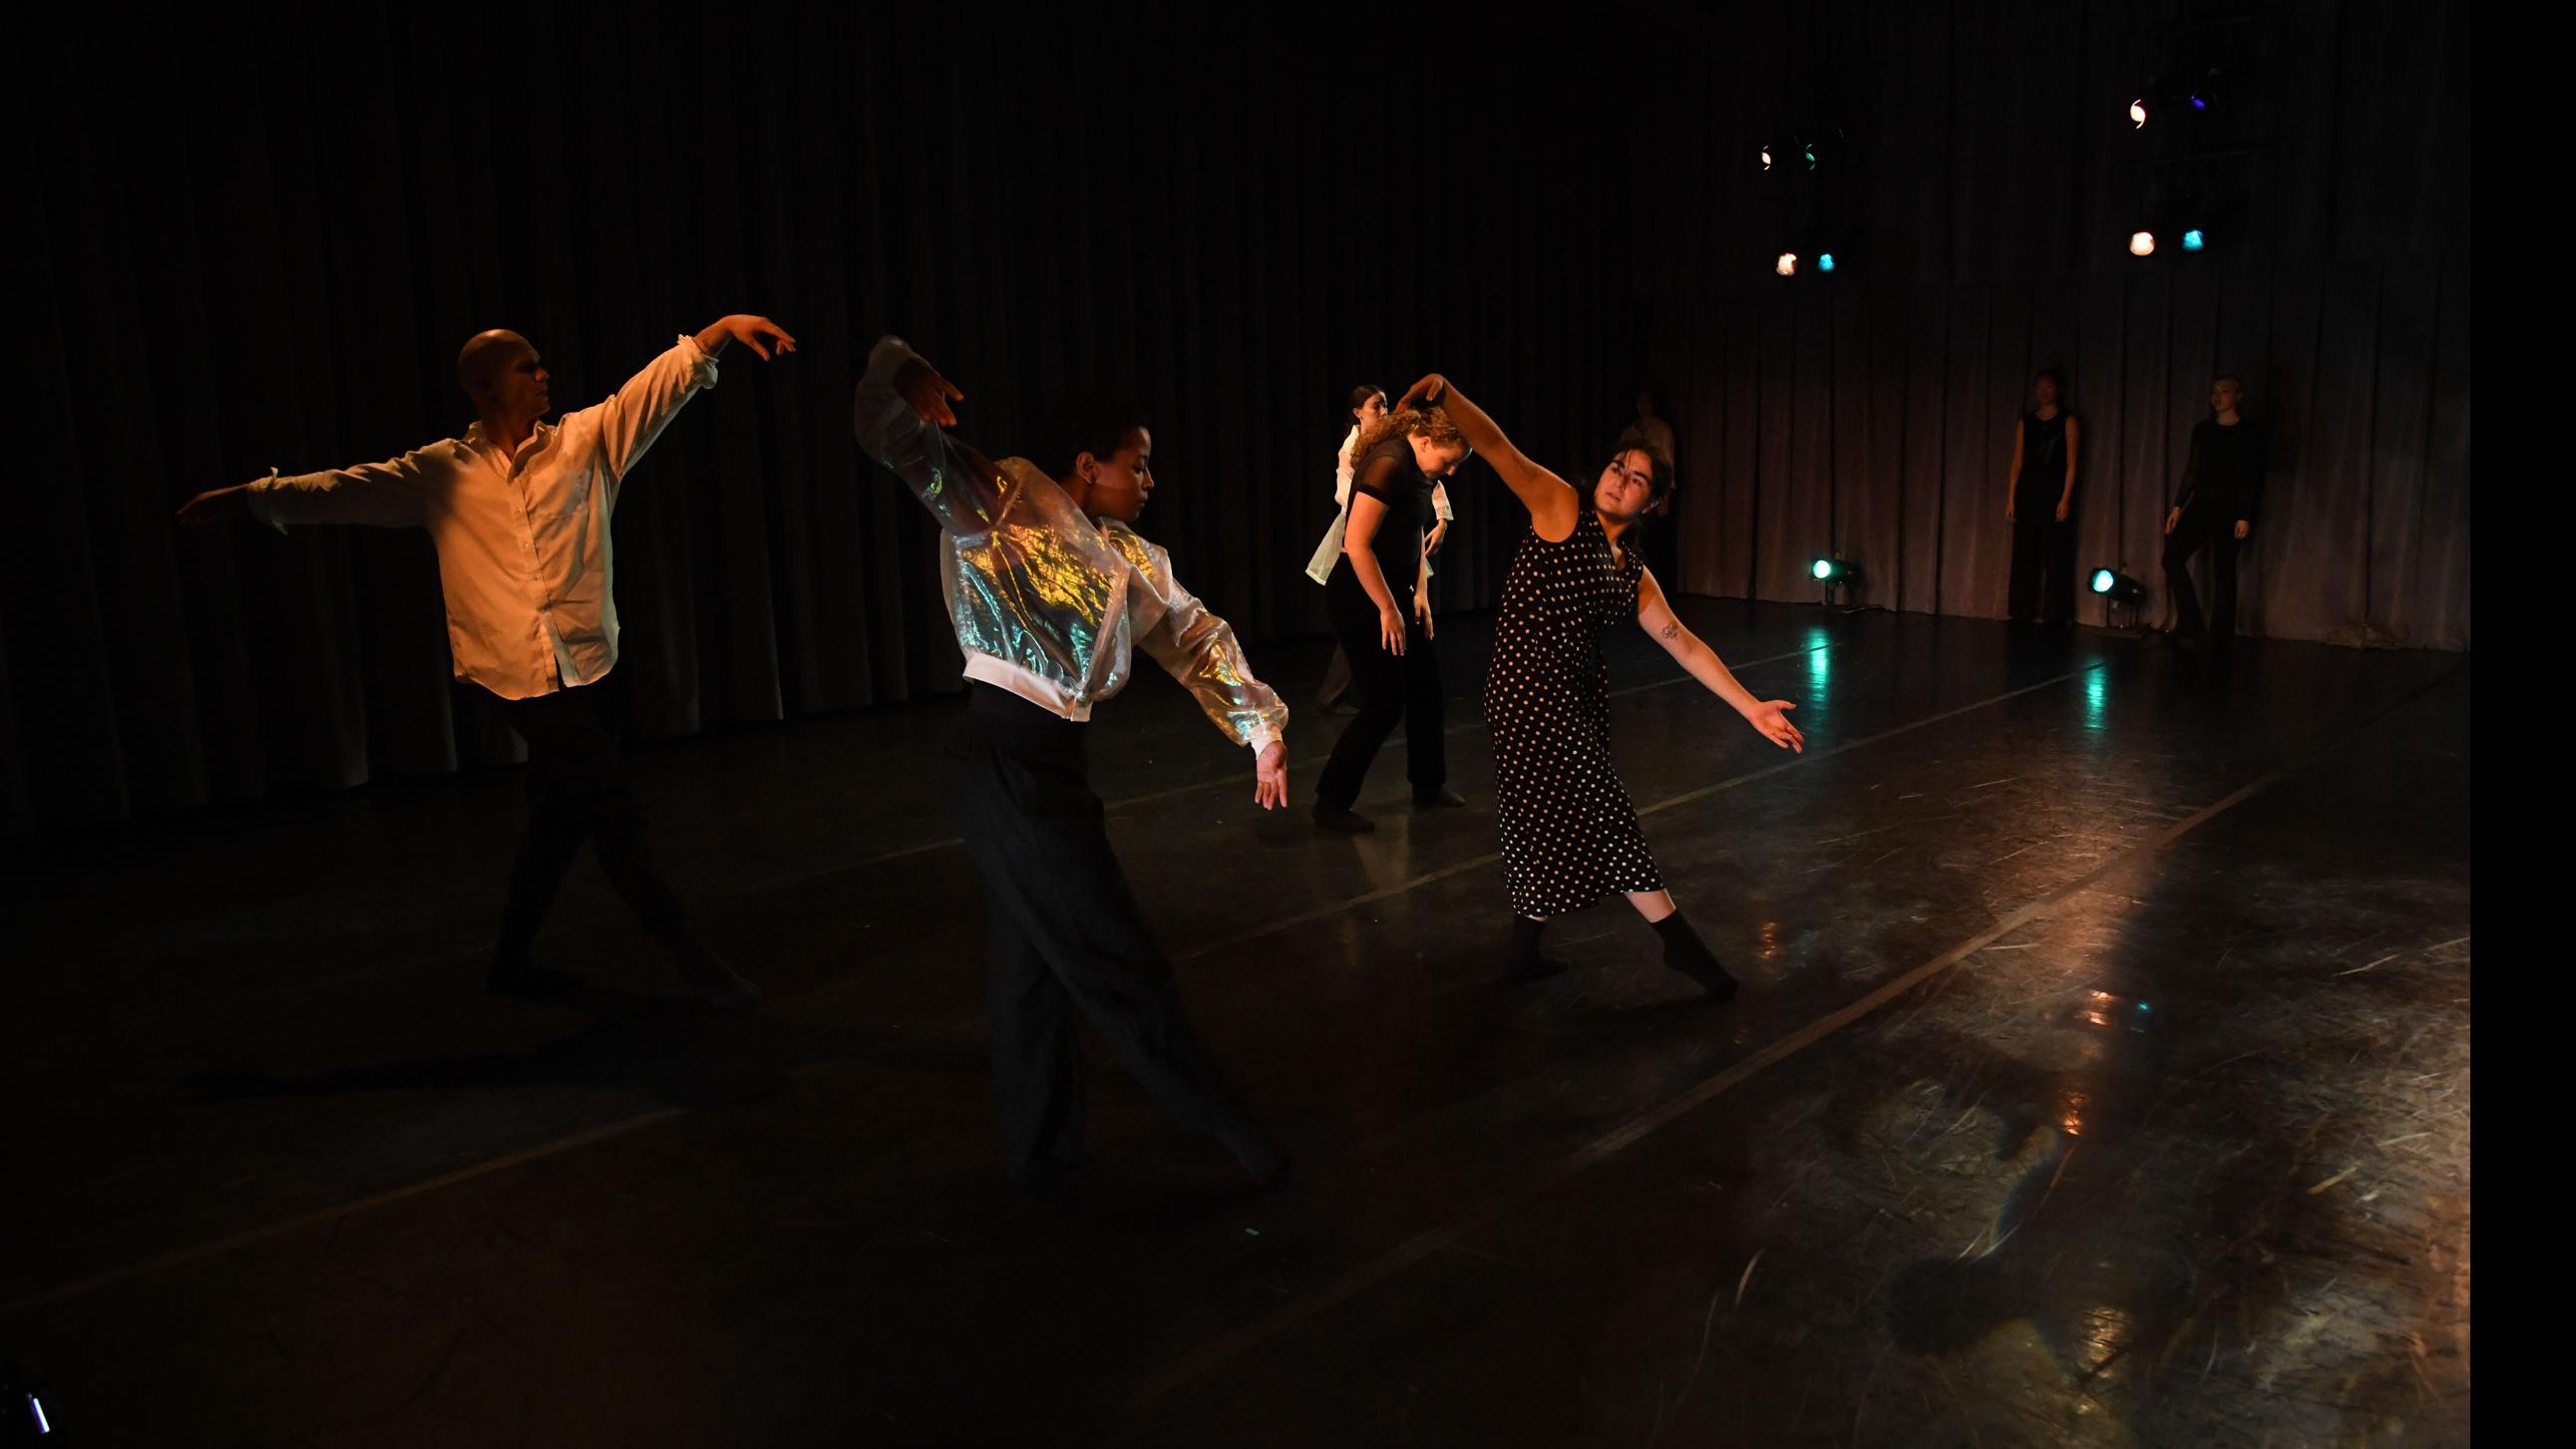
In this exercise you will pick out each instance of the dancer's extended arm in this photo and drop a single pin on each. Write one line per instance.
(1769, 716)
(1199, 649)
(386, 495)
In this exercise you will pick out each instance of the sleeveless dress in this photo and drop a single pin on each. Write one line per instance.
(1570, 834)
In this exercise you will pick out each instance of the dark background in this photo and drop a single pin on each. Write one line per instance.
(258, 240)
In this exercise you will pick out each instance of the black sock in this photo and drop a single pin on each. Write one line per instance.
(1522, 951)
(1686, 953)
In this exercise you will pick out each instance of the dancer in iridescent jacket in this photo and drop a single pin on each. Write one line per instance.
(1050, 588)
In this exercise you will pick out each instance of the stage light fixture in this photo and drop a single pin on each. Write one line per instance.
(2142, 243)
(1825, 263)
(1787, 266)
(2138, 113)
(2117, 587)
(2193, 240)
(1766, 158)
(1835, 574)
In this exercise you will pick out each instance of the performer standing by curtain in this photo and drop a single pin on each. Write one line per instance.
(2038, 502)
(1050, 587)
(1570, 834)
(1368, 404)
(518, 511)
(2221, 496)
(1381, 610)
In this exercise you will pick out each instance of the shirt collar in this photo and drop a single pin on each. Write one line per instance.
(479, 440)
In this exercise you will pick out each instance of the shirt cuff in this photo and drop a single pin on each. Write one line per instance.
(1263, 737)
(701, 361)
(259, 491)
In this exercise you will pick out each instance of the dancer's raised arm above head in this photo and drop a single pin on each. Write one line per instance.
(1552, 502)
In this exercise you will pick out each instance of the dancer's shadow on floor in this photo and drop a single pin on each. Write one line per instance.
(683, 1052)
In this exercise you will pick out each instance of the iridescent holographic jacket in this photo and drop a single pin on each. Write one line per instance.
(1047, 603)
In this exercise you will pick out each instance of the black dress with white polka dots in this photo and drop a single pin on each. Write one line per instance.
(1570, 835)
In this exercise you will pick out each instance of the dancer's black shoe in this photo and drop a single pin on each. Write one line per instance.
(1333, 817)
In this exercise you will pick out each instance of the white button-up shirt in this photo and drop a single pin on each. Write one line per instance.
(522, 537)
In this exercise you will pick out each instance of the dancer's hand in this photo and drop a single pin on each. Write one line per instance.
(2172, 519)
(1422, 611)
(2243, 528)
(214, 506)
(2063, 507)
(1439, 531)
(1390, 630)
(757, 333)
(1270, 776)
(920, 384)
(1426, 392)
(2011, 513)
(1771, 717)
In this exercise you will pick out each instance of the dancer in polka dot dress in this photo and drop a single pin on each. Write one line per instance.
(1570, 834)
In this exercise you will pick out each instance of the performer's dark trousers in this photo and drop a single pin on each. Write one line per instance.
(1337, 678)
(577, 791)
(1393, 688)
(2043, 550)
(1066, 938)
(2203, 528)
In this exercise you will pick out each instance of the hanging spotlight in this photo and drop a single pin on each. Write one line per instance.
(1787, 266)
(1766, 157)
(2137, 117)
(2142, 244)
(2193, 241)
(1825, 262)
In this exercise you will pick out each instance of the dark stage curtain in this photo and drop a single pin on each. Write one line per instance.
(1998, 181)
(261, 239)
(258, 239)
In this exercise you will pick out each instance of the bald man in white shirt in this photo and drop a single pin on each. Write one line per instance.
(518, 510)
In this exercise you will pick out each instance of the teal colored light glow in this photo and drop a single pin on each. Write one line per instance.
(2102, 580)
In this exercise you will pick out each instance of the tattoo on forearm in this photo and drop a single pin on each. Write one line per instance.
(1673, 630)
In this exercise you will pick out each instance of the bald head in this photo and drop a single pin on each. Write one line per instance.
(501, 371)
(485, 355)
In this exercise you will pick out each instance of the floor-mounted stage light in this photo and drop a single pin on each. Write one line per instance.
(1836, 575)
(2117, 587)
(2118, 591)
